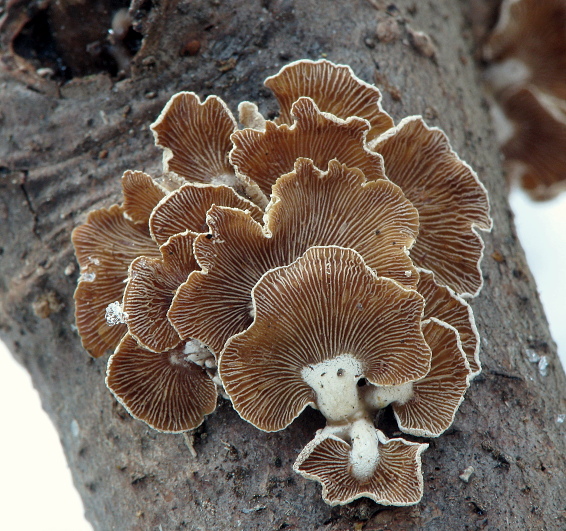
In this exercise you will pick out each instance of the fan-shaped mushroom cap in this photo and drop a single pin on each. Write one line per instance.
(443, 304)
(449, 197)
(263, 156)
(152, 283)
(527, 72)
(105, 245)
(186, 208)
(534, 151)
(528, 46)
(396, 480)
(141, 194)
(195, 137)
(435, 399)
(324, 305)
(308, 208)
(334, 89)
(164, 390)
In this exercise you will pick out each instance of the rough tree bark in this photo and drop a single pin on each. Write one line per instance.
(62, 152)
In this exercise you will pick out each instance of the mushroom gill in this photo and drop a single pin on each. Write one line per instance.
(164, 389)
(326, 313)
(308, 207)
(395, 480)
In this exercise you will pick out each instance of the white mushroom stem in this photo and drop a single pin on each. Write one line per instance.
(196, 352)
(380, 396)
(364, 455)
(335, 383)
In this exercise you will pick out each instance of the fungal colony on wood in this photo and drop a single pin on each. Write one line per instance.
(321, 259)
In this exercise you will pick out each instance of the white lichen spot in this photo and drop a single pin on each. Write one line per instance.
(93, 260)
(408, 274)
(87, 277)
(467, 474)
(560, 419)
(115, 314)
(543, 366)
(75, 430)
(70, 269)
(531, 355)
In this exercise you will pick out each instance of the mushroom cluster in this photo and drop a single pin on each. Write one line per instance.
(526, 58)
(320, 259)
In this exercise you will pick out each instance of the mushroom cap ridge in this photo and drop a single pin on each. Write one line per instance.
(318, 307)
(309, 207)
(397, 479)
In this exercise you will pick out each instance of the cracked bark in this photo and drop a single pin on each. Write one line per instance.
(63, 150)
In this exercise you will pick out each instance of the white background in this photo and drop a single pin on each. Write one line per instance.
(36, 492)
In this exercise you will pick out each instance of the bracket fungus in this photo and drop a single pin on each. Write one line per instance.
(319, 259)
(526, 66)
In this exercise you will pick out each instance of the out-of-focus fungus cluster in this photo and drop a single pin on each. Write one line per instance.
(319, 260)
(526, 56)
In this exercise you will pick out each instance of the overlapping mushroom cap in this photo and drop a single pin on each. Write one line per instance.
(308, 208)
(289, 254)
(105, 246)
(334, 88)
(164, 389)
(526, 56)
(417, 158)
(325, 306)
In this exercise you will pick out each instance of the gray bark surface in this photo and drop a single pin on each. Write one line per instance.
(62, 153)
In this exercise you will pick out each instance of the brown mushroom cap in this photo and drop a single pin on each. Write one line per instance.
(397, 479)
(186, 208)
(443, 304)
(141, 194)
(533, 35)
(308, 208)
(164, 390)
(326, 304)
(195, 137)
(535, 152)
(105, 246)
(451, 202)
(436, 397)
(263, 156)
(152, 283)
(334, 88)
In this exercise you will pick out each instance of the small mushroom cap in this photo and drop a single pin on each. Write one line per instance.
(334, 88)
(152, 283)
(186, 208)
(443, 304)
(397, 479)
(436, 397)
(263, 156)
(195, 137)
(105, 246)
(164, 390)
(450, 199)
(325, 304)
(535, 153)
(141, 194)
(308, 208)
(532, 34)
